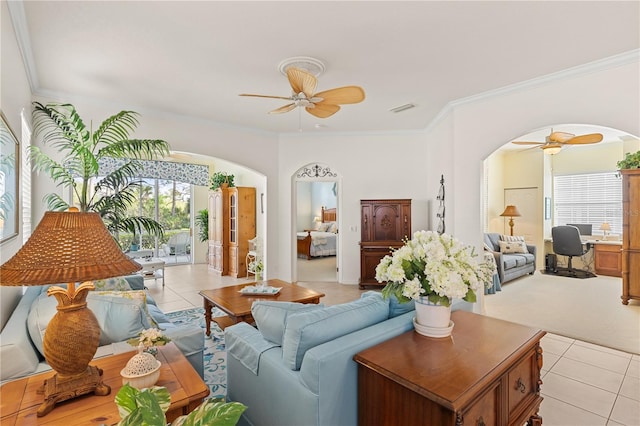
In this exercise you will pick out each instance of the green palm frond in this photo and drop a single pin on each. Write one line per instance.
(56, 203)
(135, 148)
(60, 126)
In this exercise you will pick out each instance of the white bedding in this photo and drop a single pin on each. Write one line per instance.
(322, 243)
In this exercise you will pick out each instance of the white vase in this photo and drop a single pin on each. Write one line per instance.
(433, 320)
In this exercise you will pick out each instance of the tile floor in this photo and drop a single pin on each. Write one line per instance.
(583, 384)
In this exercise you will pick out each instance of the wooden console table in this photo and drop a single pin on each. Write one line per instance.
(19, 399)
(487, 373)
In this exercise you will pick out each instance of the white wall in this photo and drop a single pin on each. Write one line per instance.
(609, 97)
(15, 97)
(370, 166)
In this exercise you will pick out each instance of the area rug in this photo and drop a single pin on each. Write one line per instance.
(215, 355)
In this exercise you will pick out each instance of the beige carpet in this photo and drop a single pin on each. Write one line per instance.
(585, 309)
(317, 269)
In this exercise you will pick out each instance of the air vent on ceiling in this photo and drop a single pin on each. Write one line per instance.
(402, 108)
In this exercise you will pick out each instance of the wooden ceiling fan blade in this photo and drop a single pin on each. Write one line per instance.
(267, 96)
(323, 110)
(560, 136)
(527, 143)
(283, 109)
(585, 139)
(342, 95)
(302, 81)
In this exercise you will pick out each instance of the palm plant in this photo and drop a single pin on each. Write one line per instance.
(82, 149)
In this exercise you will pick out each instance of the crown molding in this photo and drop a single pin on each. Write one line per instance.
(625, 58)
(21, 29)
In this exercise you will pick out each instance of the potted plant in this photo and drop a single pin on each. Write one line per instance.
(148, 407)
(630, 161)
(202, 222)
(111, 193)
(432, 270)
(219, 179)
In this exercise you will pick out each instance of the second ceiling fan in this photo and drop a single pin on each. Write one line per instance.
(556, 140)
(322, 104)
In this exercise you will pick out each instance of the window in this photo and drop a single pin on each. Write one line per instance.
(589, 198)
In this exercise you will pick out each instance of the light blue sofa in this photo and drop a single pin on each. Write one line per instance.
(20, 338)
(310, 378)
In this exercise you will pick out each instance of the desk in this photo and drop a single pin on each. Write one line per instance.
(605, 258)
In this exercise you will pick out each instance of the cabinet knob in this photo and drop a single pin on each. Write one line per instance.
(520, 386)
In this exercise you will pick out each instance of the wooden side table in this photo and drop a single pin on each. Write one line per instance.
(19, 399)
(486, 373)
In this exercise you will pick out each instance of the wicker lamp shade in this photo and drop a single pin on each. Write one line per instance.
(67, 247)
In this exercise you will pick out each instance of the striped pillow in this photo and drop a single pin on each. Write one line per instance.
(511, 238)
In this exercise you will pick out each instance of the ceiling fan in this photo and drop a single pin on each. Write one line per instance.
(322, 104)
(556, 140)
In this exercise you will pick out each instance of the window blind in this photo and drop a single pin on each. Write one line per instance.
(589, 198)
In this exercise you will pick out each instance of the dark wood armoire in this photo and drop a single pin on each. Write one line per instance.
(384, 224)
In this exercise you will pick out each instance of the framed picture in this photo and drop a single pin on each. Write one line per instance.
(9, 155)
(547, 208)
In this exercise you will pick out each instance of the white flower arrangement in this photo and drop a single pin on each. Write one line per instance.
(150, 337)
(437, 267)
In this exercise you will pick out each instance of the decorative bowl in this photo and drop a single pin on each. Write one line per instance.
(141, 371)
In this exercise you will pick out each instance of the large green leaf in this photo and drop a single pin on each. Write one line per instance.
(212, 412)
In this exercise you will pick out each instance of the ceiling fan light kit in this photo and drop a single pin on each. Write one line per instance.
(551, 149)
(556, 140)
(303, 84)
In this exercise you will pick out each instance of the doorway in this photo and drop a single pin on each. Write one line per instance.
(315, 224)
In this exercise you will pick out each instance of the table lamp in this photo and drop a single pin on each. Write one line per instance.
(69, 247)
(511, 211)
(605, 227)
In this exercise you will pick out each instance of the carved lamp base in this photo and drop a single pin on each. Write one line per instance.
(57, 389)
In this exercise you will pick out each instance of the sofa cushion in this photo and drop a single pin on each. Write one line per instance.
(271, 316)
(304, 330)
(119, 318)
(509, 261)
(491, 239)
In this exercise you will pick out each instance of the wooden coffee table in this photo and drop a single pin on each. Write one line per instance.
(19, 399)
(238, 306)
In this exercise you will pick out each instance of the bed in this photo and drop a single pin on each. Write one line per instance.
(321, 241)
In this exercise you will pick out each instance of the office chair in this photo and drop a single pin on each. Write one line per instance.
(567, 242)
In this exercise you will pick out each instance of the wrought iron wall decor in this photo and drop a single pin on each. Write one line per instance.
(316, 171)
(440, 214)
(196, 174)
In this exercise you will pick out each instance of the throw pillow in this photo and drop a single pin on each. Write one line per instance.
(321, 226)
(139, 295)
(271, 316)
(333, 227)
(511, 238)
(513, 247)
(305, 330)
(117, 283)
(119, 318)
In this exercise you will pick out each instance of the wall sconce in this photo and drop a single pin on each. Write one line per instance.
(511, 211)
